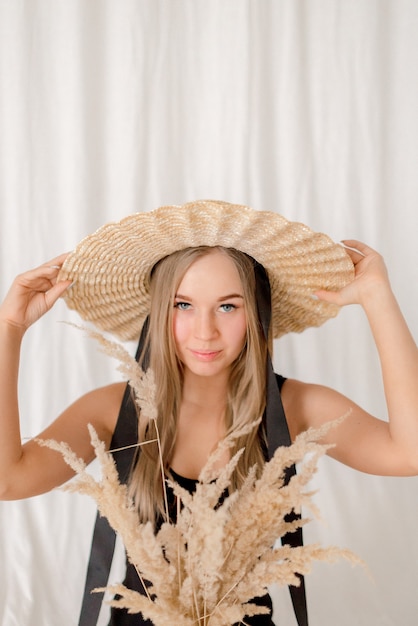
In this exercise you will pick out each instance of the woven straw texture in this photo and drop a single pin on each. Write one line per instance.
(110, 268)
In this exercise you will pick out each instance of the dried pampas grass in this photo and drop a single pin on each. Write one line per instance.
(205, 569)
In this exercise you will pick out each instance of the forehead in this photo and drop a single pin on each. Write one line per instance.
(215, 270)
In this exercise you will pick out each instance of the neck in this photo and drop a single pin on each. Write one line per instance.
(207, 393)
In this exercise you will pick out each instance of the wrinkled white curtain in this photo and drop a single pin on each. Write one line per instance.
(305, 107)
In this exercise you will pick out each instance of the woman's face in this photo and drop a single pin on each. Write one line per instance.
(210, 322)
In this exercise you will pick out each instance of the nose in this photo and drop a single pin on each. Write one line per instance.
(205, 326)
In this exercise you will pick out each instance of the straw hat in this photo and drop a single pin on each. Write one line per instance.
(110, 268)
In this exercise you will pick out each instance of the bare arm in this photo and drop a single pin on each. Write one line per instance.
(38, 469)
(362, 441)
(30, 469)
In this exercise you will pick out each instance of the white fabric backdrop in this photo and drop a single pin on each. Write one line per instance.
(109, 107)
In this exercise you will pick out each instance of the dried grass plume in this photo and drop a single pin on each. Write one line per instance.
(206, 569)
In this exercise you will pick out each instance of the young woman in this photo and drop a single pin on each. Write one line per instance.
(209, 276)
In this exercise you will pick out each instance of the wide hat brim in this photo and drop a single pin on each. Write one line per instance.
(110, 269)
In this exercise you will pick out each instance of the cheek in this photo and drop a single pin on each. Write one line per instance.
(238, 331)
(180, 328)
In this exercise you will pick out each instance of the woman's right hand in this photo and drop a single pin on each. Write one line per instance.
(32, 294)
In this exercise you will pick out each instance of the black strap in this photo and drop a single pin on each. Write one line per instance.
(277, 434)
(104, 537)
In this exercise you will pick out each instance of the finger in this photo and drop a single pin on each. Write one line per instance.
(354, 255)
(356, 250)
(358, 246)
(333, 297)
(55, 292)
(57, 262)
(49, 268)
(39, 276)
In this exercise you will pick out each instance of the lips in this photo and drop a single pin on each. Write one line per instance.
(205, 355)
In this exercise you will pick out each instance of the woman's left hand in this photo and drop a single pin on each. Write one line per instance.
(370, 275)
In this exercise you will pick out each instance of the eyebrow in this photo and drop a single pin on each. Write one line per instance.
(230, 296)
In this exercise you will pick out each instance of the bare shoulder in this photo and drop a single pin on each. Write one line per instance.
(310, 405)
(108, 395)
(361, 440)
(99, 407)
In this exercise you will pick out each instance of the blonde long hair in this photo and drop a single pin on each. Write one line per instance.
(247, 382)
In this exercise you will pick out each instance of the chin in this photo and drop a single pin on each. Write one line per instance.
(207, 370)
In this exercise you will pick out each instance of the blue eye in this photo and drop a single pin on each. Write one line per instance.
(182, 306)
(227, 308)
